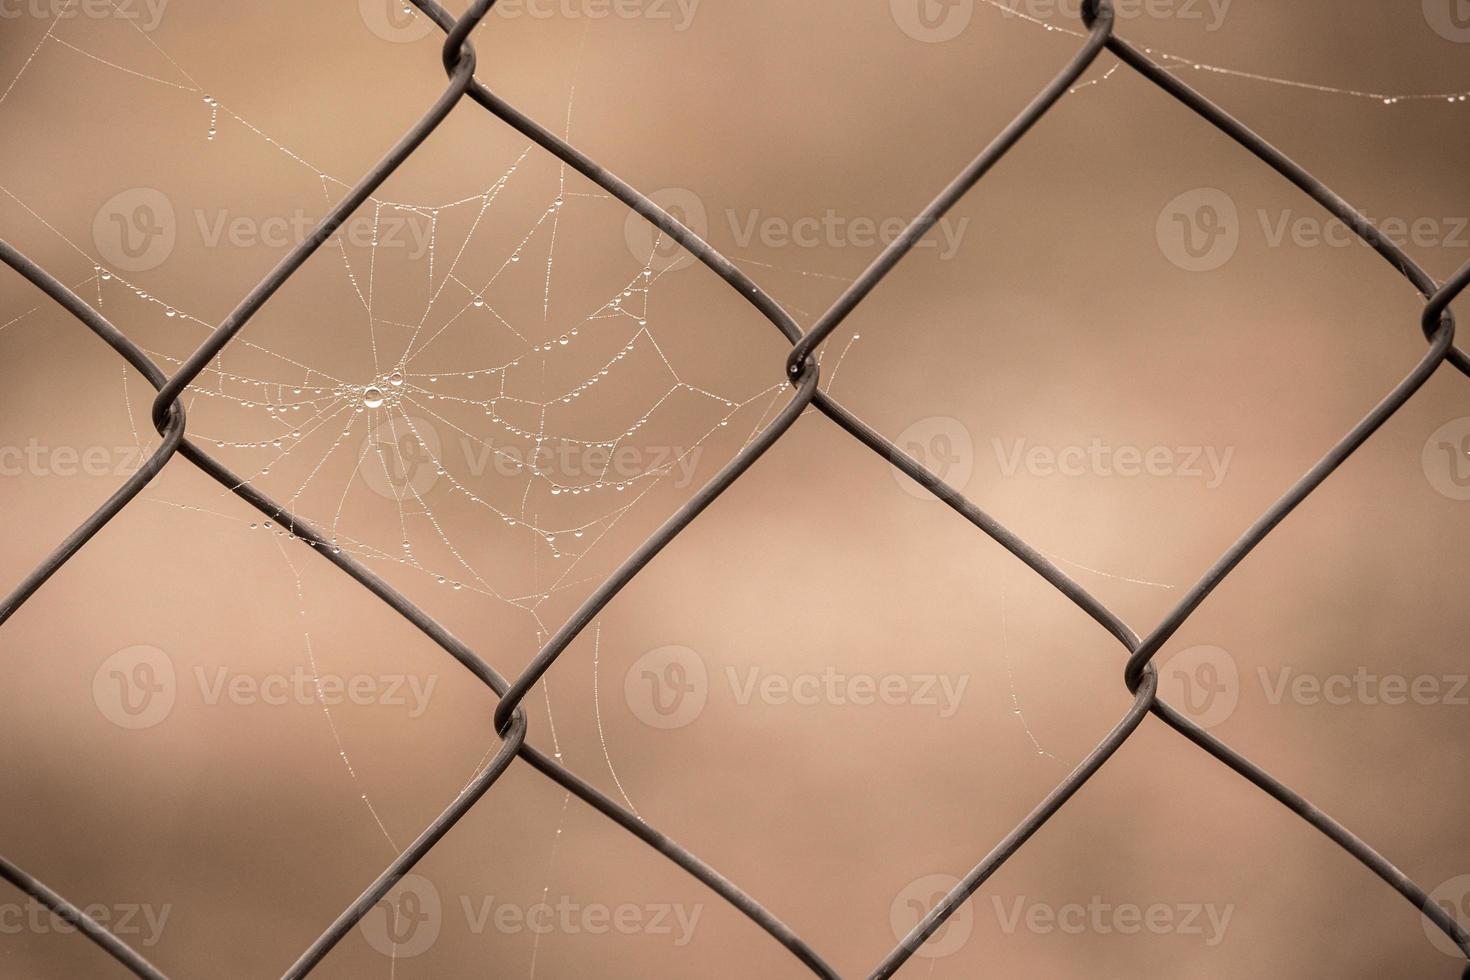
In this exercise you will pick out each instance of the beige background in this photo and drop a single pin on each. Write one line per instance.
(1059, 320)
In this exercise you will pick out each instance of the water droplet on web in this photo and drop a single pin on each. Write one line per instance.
(372, 396)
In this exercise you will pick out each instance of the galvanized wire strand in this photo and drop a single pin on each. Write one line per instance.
(84, 923)
(509, 717)
(1249, 770)
(620, 189)
(479, 786)
(1098, 33)
(1055, 800)
(656, 542)
(440, 635)
(801, 366)
(462, 69)
(173, 434)
(1294, 172)
(1288, 502)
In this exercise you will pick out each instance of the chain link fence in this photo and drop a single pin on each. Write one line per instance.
(510, 721)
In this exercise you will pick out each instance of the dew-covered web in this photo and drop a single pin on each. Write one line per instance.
(452, 412)
(421, 405)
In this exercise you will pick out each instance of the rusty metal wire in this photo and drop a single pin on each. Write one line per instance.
(510, 720)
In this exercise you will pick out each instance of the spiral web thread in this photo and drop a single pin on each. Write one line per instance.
(1140, 676)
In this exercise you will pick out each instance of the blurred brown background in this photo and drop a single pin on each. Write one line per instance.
(1061, 318)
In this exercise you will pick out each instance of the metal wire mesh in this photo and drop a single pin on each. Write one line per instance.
(1140, 677)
